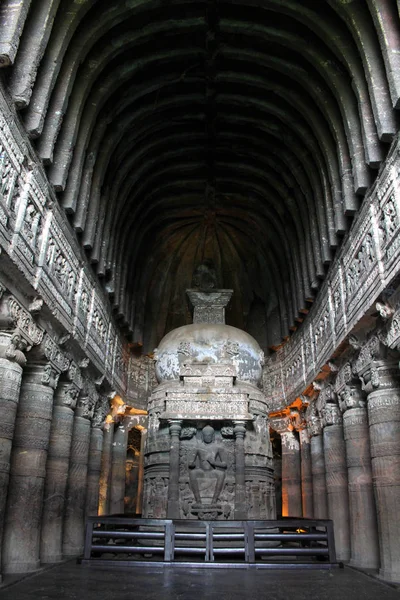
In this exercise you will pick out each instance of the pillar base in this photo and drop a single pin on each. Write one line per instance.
(72, 552)
(390, 576)
(28, 567)
(49, 560)
(365, 566)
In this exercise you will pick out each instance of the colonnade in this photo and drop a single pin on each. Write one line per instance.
(52, 435)
(341, 457)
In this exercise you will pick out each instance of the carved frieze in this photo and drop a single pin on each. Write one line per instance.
(14, 316)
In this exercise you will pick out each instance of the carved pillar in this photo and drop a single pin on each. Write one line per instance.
(380, 377)
(95, 456)
(141, 472)
(28, 459)
(306, 474)
(57, 472)
(239, 431)
(73, 539)
(119, 451)
(19, 332)
(291, 472)
(105, 470)
(320, 499)
(12, 359)
(336, 471)
(363, 524)
(173, 511)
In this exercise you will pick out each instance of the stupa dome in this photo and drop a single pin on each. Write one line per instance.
(209, 343)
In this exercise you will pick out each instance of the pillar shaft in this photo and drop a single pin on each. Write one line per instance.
(337, 487)
(173, 511)
(291, 475)
(105, 471)
(363, 524)
(320, 499)
(139, 500)
(384, 427)
(118, 470)
(57, 473)
(73, 539)
(28, 470)
(94, 469)
(306, 475)
(10, 384)
(240, 482)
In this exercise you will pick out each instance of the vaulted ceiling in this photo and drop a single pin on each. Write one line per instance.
(173, 131)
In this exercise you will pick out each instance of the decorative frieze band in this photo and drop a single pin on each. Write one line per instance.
(366, 263)
(36, 235)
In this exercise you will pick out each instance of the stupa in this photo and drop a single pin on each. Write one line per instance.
(208, 452)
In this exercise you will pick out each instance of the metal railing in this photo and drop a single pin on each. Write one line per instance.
(284, 543)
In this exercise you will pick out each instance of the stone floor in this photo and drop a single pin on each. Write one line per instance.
(70, 581)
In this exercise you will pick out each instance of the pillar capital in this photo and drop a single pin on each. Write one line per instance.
(239, 429)
(101, 411)
(48, 351)
(15, 318)
(175, 426)
(66, 395)
(13, 347)
(282, 424)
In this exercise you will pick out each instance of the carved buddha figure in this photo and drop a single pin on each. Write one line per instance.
(208, 463)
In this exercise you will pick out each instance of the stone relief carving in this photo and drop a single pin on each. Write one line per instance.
(207, 469)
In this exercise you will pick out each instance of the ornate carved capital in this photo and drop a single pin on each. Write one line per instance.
(281, 424)
(331, 415)
(67, 395)
(314, 424)
(14, 317)
(50, 376)
(87, 400)
(13, 347)
(345, 376)
(351, 396)
(74, 375)
(101, 411)
(372, 350)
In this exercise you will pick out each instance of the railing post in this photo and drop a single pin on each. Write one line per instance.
(88, 539)
(169, 541)
(249, 543)
(331, 541)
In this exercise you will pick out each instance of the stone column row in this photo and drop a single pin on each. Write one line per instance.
(50, 452)
(351, 448)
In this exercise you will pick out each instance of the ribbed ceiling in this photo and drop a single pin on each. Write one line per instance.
(244, 132)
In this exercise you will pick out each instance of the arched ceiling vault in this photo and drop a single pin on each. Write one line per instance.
(173, 131)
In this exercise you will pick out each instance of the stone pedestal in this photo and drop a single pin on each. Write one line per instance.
(105, 470)
(77, 480)
(94, 469)
(336, 480)
(384, 427)
(119, 450)
(28, 470)
(291, 475)
(320, 500)
(173, 511)
(57, 472)
(363, 525)
(306, 475)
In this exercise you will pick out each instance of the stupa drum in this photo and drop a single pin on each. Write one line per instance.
(208, 452)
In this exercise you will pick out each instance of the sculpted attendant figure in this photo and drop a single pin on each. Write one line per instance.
(209, 462)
